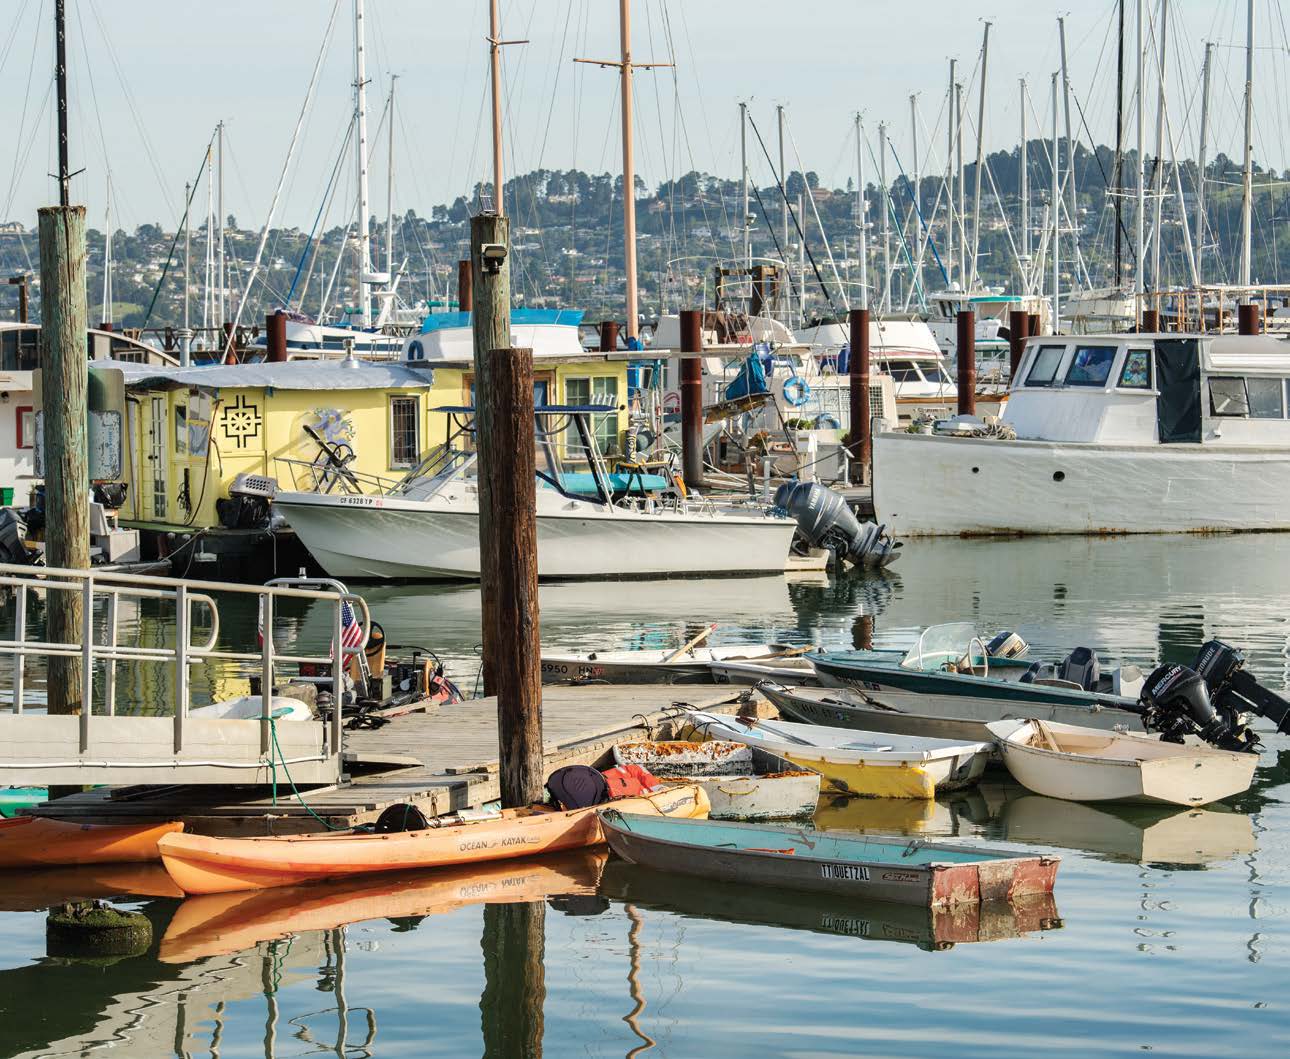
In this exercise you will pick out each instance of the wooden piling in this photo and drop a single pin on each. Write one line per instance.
(608, 336)
(858, 377)
(692, 399)
(966, 346)
(491, 324)
(517, 649)
(275, 337)
(511, 1007)
(465, 286)
(21, 283)
(64, 381)
(1018, 332)
(1247, 319)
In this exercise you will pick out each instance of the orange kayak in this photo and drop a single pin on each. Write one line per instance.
(204, 865)
(33, 842)
(222, 924)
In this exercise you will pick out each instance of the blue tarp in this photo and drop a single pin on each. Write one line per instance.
(567, 317)
(751, 378)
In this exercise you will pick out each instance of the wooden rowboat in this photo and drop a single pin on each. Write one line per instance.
(870, 764)
(896, 870)
(36, 842)
(203, 865)
(221, 924)
(1090, 765)
(742, 782)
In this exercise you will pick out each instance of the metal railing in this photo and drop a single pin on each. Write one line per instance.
(110, 589)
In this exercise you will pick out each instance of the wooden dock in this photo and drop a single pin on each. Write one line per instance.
(441, 760)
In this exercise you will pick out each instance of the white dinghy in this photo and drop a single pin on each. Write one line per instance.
(1091, 765)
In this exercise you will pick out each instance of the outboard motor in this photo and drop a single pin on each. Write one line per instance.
(13, 531)
(1231, 685)
(1176, 703)
(1081, 667)
(1007, 644)
(824, 519)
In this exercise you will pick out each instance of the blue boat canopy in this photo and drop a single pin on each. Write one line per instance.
(444, 321)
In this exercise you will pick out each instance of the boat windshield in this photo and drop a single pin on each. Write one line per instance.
(940, 644)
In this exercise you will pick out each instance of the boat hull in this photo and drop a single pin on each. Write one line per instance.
(781, 796)
(30, 841)
(929, 485)
(376, 538)
(203, 865)
(791, 858)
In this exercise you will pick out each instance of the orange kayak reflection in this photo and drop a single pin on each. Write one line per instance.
(221, 924)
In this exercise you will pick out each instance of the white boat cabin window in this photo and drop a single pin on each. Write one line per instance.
(1227, 396)
(1043, 369)
(1265, 396)
(903, 371)
(1091, 366)
(405, 432)
(1136, 373)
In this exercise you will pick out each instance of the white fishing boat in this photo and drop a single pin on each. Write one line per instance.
(1090, 765)
(742, 783)
(1108, 434)
(426, 526)
(870, 764)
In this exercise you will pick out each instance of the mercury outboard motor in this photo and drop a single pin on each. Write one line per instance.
(1176, 703)
(824, 519)
(1231, 685)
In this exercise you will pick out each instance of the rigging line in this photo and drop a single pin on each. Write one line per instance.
(770, 227)
(1106, 179)
(133, 106)
(325, 204)
(22, 121)
(810, 197)
(13, 35)
(922, 221)
(31, 144)
(179, 230)
(286, 165)
(793, 214)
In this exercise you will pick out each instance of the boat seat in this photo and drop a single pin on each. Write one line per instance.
(1081, 668)
(1057, 682)
(1039, 672)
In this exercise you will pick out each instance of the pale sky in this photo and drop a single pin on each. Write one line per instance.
(152, 77)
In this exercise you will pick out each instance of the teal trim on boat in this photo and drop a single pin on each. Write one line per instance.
(14, 800)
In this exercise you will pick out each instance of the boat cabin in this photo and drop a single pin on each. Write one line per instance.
(1144, 389)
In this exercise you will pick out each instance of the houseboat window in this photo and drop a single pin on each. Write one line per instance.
(1091, 366)
(199, 424)
(1043, 370)
(600, 390)
(1227, 397)
(181, 430)
(405, 434)
(1136, 373)
(26, 426)
(1264, 398)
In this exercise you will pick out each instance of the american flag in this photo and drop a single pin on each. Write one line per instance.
(351, 629)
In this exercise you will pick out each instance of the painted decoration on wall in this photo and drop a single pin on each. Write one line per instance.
(242, 421)
(334, 426)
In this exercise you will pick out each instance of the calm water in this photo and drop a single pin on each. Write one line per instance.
(1168, 933)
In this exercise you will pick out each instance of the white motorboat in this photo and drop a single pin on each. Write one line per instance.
(1091, 765)
(871, 764)
(732, 664)
(1108, 434)
(426, 526)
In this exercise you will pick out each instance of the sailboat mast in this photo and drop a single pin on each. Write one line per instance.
(949, 165)
(106, 313)
(783, 176)
(917, 278)
(360, 109)
(188, 251)
(1141, 212)
(1200, 165)
(495, 76)
(60, 74)
(1057, 225)
(885, 305)
(389, 194)
(1158, 181)
(743, 169)
(219, 220)
(629, 166)
(1119, 150)
(1024, 167)
(980, 158)
(964, 279)
(1247, 178)
(862, 210)
(1070, 140)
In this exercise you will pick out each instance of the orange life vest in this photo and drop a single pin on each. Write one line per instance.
(628, 781)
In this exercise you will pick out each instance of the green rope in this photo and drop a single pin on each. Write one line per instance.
(273, 729)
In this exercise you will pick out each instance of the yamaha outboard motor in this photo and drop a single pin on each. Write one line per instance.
(824, 519)
(1231, 685)
(1007, 644)
(1176, 703)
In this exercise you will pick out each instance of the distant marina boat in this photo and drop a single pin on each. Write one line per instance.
(1108, 434)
